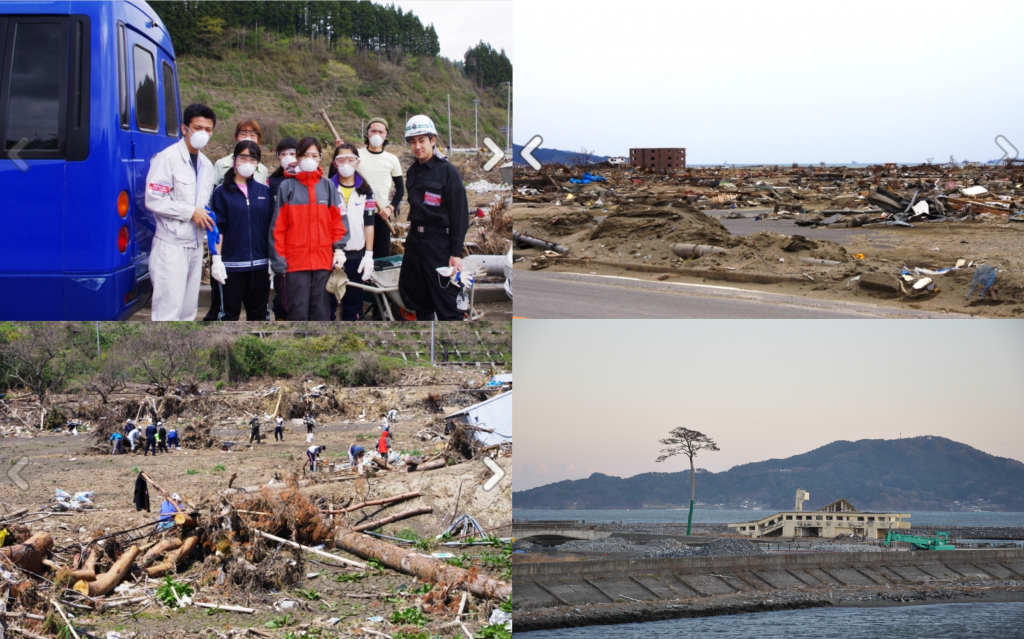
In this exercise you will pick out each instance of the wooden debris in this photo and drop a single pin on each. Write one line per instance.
(405, 514)
(376, 502)
(29, 555)
(224, 607)
(158, 551)
(321, 553)
(173, 559)
(109, 580)
(426, 568)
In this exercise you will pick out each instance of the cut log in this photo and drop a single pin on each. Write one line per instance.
(29, 555)
(426, 568)
(88, 570)
(158, 550)
(184, 521)
(376, 502)
(431, 465)
(405, 514)
(109, 580)
(173, 559)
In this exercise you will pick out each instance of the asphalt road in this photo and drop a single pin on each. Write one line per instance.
(550, 295)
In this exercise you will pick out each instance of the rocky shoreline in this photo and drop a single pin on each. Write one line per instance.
(742, 603)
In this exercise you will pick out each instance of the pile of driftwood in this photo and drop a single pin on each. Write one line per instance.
(233, 540)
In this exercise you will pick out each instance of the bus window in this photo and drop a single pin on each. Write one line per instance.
(34, 105)
(147, 117)
(122, 71)
(170, 101)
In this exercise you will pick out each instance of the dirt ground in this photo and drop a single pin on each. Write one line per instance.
(71, 463)
(638, 236)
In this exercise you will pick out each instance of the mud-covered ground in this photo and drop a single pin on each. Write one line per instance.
(637, 236)
(323, 592)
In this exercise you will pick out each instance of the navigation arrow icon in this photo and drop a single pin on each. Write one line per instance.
(18, 162)
(527, 152)
(499, 473)
(499, 154)
(14, 473)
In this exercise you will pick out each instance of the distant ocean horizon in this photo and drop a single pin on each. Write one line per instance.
(713, 516)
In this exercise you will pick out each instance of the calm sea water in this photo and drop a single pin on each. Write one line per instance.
(920, 518)
(941, 621)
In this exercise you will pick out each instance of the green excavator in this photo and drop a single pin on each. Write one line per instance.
(939, 542)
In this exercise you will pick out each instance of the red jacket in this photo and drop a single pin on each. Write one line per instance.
(307, 222)
(382, 443)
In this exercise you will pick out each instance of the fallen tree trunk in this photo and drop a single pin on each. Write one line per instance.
(376, 502)
(29, 555)
(173, 559)
(109, 580)
(432, 465)
(158, 550)
(426, 568)
(405, 514)
(315, 551)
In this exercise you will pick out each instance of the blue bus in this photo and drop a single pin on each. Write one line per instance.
(88, 94)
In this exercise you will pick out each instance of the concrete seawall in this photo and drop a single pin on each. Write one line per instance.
(548, 584)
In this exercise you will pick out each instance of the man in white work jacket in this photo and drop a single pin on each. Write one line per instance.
(178, 188)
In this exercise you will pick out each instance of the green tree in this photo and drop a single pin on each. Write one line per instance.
(683, 441)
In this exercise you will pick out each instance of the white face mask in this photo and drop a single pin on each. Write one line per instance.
(346, 170)
(376, 140)
(308, 165)
(246, 170)
(199, 139)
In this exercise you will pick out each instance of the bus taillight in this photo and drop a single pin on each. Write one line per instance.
(122, 239)
(122, 204)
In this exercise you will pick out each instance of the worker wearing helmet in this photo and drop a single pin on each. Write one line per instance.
(438, 219)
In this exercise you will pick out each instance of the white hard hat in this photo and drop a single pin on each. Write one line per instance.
(419, 125)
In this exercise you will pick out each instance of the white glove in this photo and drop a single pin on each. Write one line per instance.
(339, 258)
(217, 270)
(366, 266)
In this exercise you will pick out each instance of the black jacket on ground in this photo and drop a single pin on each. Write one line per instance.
(141, 499)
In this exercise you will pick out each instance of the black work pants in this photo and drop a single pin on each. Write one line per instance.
(423, 290)
(251, 288)
(278, 433)
(161, 446)
(280, 299)
(352, 301)
(254, 434)
(150, 443)
(307, 296)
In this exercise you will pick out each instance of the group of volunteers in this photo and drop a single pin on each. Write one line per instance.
(155, 438)
(298, 230)
(314, 454)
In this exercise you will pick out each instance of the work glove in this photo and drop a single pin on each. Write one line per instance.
(339, 258)
(366, 266)
(217, 270)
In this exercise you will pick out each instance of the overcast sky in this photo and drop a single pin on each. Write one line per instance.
(597, 395)
(775, 82)
(461, 24)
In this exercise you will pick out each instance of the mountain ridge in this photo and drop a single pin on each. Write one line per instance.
(920, 473)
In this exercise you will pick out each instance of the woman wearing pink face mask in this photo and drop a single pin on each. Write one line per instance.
(244, 211)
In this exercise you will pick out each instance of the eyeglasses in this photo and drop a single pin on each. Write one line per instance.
(246, 159)
(248, 133)
(346, 159)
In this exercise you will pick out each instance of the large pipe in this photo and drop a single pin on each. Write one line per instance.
(536, 242)
(696, 250)
(494, 265)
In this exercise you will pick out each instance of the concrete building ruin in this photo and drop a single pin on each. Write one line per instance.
(837, 519)
(668, 160)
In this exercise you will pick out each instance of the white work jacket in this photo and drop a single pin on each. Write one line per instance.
(354, 217)
(174, 191)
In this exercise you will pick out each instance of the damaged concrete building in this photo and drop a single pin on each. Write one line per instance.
(668, 160)
(837, 519)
